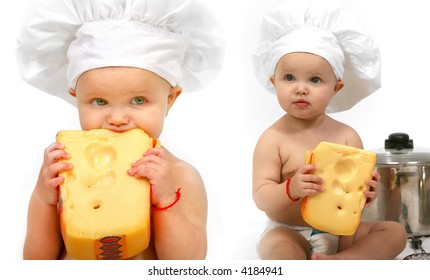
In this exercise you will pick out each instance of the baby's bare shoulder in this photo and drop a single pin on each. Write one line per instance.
(185, 174)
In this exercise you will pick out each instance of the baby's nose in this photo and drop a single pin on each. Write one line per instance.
(301, 89)
(118, 118)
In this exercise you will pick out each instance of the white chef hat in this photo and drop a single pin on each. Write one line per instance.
(175, 39)
(327, 29)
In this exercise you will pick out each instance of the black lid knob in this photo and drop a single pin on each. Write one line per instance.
(398, 141)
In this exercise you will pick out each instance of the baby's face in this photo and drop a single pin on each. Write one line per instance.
(122, 98)
(305, 84)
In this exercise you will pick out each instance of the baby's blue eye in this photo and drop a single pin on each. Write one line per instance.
(315, 80)
(99, 101)
(289, 77)
(138, 100)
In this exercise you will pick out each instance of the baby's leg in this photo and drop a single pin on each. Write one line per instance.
(372, 241)
(283, 244)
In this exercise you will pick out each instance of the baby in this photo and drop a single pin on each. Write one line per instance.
(316, 59)
(123, 64)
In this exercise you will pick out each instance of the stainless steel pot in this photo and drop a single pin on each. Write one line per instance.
(404, 189)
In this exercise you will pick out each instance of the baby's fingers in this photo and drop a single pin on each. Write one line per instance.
(306, 169)
(370, 196)
(54, 146)
(376, 176)
(55, 152)
(312, 188)
(56, 155)
(373, 185)
(58, 167)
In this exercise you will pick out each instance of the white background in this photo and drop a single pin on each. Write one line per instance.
(216, 129)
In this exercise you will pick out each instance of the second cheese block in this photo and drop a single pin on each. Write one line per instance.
(105, 213)
(338, 208)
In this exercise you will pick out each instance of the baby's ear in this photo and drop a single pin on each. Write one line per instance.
(72, 92)
(272, 79)
(339, 85)
(173, 94)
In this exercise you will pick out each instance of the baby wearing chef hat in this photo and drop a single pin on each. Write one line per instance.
(123, 63)
(317, 59)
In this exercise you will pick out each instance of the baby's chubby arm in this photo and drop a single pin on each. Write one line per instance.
(269, 184)
(43, 239)
(179, 230)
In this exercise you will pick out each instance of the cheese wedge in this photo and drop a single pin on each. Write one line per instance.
(338, 208)
(105, 213)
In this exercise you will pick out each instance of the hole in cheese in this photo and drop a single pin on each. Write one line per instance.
(100, 156)
(345, 169)
(96, 204)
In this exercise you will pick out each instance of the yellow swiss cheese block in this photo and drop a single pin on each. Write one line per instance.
(338, 208)
(105, 213)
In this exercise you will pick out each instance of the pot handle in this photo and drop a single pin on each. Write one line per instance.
(398, 141)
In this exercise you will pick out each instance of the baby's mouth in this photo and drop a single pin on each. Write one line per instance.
(301, 103)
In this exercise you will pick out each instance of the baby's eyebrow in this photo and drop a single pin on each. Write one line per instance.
(139, 92)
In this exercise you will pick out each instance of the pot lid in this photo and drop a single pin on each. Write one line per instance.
(399, 149)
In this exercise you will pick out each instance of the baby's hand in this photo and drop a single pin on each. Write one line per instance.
(155, 166)
(303, 183)
(48, 181)
(372, 193)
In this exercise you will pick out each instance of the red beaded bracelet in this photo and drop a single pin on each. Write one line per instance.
(287, 190)
(178, 196)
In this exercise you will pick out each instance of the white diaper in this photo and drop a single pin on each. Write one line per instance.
(321, 242)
